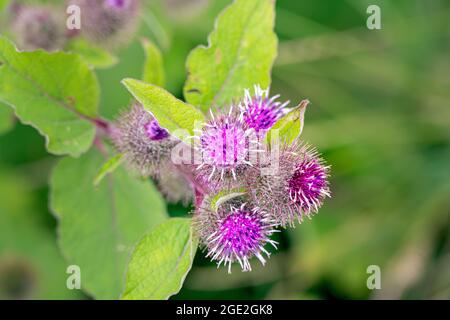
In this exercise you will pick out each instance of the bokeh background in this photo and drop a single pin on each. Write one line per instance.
(380, 114)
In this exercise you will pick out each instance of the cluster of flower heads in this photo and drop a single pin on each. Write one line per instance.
(106, 22)
(245, 190)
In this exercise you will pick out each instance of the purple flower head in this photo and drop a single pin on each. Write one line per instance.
(295, 183)
(117, 4)
(260, 111)
(109, 22)
(225, 145)
(154, 131)
(145, 145)
(308, 184)
(236, 234)
(38, 27)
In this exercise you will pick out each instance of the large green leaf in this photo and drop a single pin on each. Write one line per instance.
(161, 261)
(240, 53)
(171, 113)
(56, 93)
(98, 226)
(153, 68)
(6, 118)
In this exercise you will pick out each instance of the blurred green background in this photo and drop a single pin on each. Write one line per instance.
(380, 114)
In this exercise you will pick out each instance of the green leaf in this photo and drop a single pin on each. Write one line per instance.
(240, 54)
(224, 196)
(161, 261)
(154, 67)
(108, 167)
(92, 54)
(57, 93)
(289, 127)
(171, 113)
(6, 118)
(98, 226)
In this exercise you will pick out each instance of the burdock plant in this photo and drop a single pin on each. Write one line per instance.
(215, 151)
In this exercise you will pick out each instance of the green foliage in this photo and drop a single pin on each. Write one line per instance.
(154, 68)
(171, 113)
(6, 118)
(240, 54)
(161, 261)
(54, 92)
(92, 54)
(98, 226)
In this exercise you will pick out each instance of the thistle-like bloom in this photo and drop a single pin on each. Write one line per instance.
(235, 234)
(294, 184)
(145, 145)
(259, 111)
(37, 27)
(308, 185)
(226, 146)
(109, 22)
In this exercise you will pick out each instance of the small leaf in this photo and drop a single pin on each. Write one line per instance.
(240, 54)
(290, 126)
(171, 113)
(154, 68)
(57, 93)
(99, 226)
(224, 196)
(161, 261)
(108, 167)
(6, 118)
(92, 54)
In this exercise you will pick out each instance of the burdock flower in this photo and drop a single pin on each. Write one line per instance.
(37, 27)
(110, 22)
(294, 185)
(143, 142)
(235, 234)
(118, 4)
(226, 146)
(260, 111)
